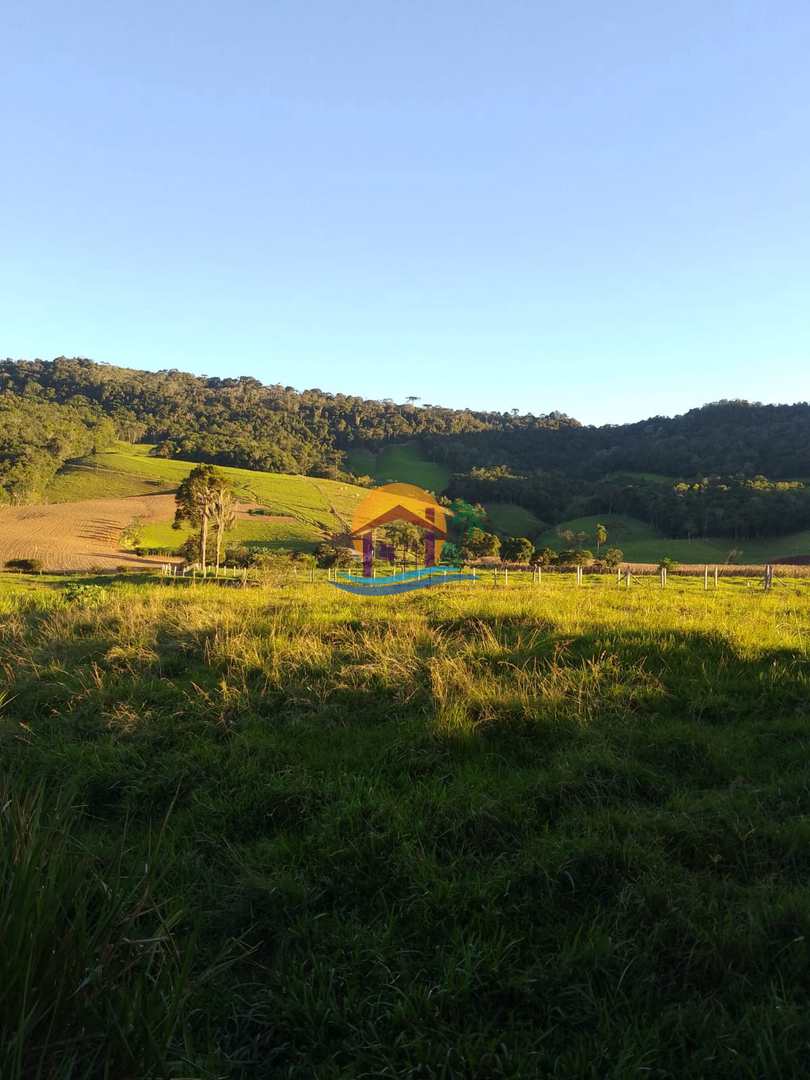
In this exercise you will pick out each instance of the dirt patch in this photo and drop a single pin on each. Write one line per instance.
(79, 535)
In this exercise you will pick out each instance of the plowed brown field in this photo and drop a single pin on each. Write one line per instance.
(79, 535)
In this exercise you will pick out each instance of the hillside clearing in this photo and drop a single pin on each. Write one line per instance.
(513, 520)
(91, 501)
(78, 535)
(400, 462)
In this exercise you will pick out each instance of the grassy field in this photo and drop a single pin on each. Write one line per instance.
(516, 832)
(321, 504)
(641, 543)
(400, 462)
(287, 534)
(513, 520)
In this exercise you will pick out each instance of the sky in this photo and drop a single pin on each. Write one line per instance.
(601, 209)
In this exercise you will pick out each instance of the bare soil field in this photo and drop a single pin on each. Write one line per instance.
(79, 535)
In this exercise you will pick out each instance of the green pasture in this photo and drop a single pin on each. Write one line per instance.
(318, 505)
(400, 462)
(482, 831)
(257, 532)
(641, 543)
(513, 520)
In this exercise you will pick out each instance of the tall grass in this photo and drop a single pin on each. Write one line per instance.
(478, 832)
(94, 977)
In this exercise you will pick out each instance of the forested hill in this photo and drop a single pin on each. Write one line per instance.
(700, 473)
(240, 421)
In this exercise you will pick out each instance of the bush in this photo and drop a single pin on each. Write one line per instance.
(25, 566)
(575, 557)
(668, 564)
(132, 536)
(89, 596)
(235, 555)
(328, 555)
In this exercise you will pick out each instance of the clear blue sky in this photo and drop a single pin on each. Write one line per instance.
(600, 208)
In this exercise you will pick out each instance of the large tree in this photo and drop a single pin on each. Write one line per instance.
(477, 544)
(518, 549)
(195, 499)
(223, 512)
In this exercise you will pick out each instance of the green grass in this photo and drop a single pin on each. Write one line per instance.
(516, 832)
(640, 542)
(258, 532)
(400, 462)
(318, 506)
(513, 520)
(77, 482)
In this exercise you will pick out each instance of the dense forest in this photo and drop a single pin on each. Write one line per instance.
(731, 468)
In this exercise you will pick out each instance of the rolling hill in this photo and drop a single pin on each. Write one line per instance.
(92, 500)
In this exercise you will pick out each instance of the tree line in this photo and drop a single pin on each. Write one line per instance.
(731, 468)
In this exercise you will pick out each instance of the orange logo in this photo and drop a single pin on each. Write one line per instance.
(399, 502)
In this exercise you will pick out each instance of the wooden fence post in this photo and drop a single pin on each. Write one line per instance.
(706, 578)
(716, 577)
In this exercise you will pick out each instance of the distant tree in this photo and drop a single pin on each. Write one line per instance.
(575, 557)
(668, 563)
(478, 544)
(613, 557)
(24, 566)
(450, 553)
(405, 538)
(132, 536)
(601, 536)
(543, 557)
(517, 549)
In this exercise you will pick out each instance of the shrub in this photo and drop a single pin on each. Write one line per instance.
(575, 557)
(25, 566)
(132, 536)
(328, 555)
(89, 596)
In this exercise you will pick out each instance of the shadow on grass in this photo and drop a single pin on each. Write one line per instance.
(600, 866)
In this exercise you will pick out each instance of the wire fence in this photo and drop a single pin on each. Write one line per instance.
(628, 576)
